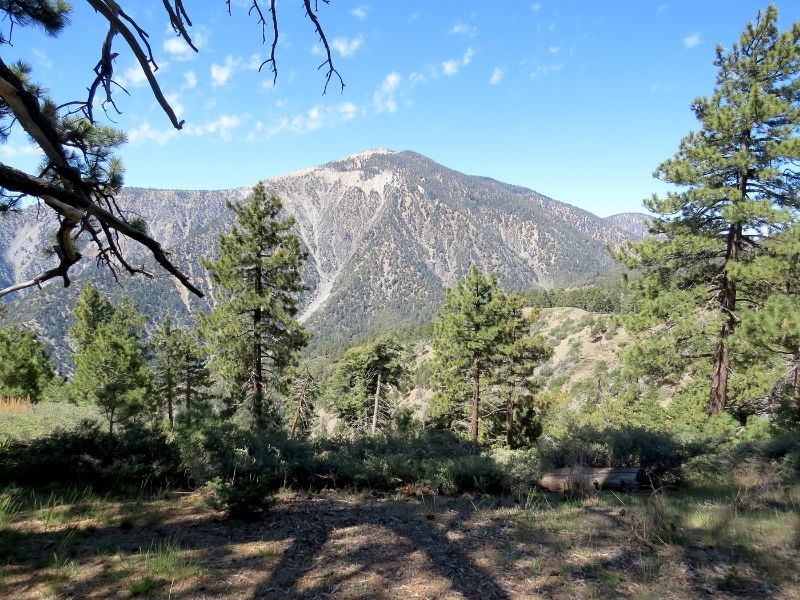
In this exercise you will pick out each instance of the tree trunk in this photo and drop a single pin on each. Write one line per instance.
(170, 392)
(718, 399)
(299, 408)
(510, 416)
(796, 380)
(188, 395)
(476, 400)
(258, 367)
(375, 407)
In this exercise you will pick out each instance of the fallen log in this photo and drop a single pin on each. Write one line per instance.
(577, 478)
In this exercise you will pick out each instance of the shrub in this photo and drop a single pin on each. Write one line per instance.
(245, 497)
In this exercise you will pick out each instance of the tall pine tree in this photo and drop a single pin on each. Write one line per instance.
(252, 332)
(469, 334)
(738, 179)
(180, 375)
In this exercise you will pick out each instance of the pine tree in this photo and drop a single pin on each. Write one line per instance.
(92, 309)
(180, 374)
(25, 367)
(469, 333)
(521, 355)
(112, 370)
(739, 180)
(359, 384)
(252, 333)
(775, 325)
(304, 392)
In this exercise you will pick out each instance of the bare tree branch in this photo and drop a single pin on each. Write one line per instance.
(310, 13)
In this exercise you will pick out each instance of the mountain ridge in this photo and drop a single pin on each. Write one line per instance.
(386, 233)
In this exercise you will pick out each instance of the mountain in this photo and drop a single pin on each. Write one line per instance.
(386, 232)
(636, 224)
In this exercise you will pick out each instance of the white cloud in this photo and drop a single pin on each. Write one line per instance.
(222, 126)
(464, 29)
(542, 70)
(553, 49)
(133, 77)
(497, 75)
(178, 49)
(536, 7)
(220, 74)
(42, 58)
(255, 62)
(175, 102)
(454, 65)
(384, 97)
(691, 40)
(316, 50)
(347, 47)
(190, 78)
(347, 110)
(661, 8)
(360, 12)
(313, 119)
(9, 150)
(147, 133)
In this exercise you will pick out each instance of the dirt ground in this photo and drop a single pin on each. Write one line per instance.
(370, 546)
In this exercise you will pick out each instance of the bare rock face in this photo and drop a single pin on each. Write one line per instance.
(386, 232)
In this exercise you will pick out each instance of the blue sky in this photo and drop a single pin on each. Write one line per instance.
(578, 100)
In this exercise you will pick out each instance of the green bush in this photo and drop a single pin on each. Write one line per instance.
(88, 455)
(245, 497)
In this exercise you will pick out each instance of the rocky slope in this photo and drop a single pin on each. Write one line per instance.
(386, 232)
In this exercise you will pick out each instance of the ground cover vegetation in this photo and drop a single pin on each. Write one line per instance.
(221, 460)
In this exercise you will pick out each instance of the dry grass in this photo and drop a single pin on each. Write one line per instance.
(9, 405)
(360, 546)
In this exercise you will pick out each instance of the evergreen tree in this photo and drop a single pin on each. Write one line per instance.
(112, 370)
(469, 333)
(179, 373)
(92, 309)
(775, 325)
(25, 367)
(521, 355)
(359, 384)
(304, 392)
(739, 180)
(252, 333)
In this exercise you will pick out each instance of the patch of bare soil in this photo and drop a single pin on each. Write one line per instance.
(338, 546)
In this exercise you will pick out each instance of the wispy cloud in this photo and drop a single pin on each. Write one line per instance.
(384, 97)
(179, 50)
(313, 119)
(360, 12)
(190, 78)
(536, 7)
(691, 40)
(464, 29)
(662, 8)
(347, 47)
(145, 133)
(133, 76)
(222, 127)
(454, 65)
(497, 75)
(553, 49)
(542, 70)
(10, 150)
(221, 74)
(42, 58)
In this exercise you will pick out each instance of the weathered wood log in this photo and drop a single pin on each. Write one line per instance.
(575, 478)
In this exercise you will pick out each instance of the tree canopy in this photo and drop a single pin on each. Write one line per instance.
(738, 192)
